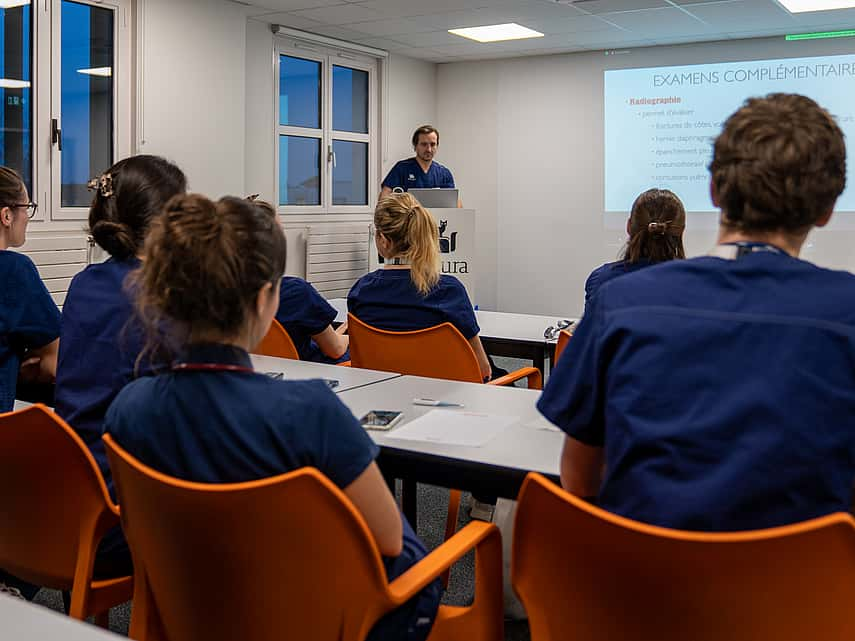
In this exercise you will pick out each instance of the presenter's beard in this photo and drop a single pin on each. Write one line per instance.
(425, 156)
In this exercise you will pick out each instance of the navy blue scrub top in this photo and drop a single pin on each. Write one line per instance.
(722, 391)
(303, 312)
(29, 319)
(98, 349)
(408, 174)
(388, 299)
(604, 273)
(234, 426)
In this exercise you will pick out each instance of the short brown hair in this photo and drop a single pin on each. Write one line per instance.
(204, 265)
(423, 130)
(778, 165)
(656, 225)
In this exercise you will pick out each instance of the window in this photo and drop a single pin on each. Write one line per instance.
(327, 131)
(65, 88)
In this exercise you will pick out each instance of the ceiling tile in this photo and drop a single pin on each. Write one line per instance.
(468, 18)
(272, 6)
(390, 27)
(609, 6)
(340, 14)
(569, 25)
(407, 8)
(384, 43)
(840, 19)
(289, 20)
(654, 24)
(430, 39)
(741, 15)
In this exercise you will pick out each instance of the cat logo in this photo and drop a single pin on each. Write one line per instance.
(446, 245)
(411, 178)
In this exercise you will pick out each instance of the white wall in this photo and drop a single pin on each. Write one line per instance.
(524, 138)
(191, 105)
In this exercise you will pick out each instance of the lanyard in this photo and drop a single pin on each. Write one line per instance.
(211, 367)
(735, 251)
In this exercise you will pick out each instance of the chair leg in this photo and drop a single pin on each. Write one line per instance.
(102, 619)
(451, 526)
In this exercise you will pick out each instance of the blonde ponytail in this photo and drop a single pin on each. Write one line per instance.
(414, 235)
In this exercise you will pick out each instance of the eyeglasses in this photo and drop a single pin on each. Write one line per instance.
(31, 208)
(551, 332)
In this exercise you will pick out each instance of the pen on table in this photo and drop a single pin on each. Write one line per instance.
(434, 403)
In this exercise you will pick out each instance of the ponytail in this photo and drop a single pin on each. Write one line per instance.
(656, 225)
(414, 234)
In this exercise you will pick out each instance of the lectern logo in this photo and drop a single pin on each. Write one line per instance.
(447, 245)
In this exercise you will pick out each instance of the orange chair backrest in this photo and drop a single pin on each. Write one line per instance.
(585, 574)
(287, 557)
(52, 496)
(563, 338)
(277, 343)
(438, 352)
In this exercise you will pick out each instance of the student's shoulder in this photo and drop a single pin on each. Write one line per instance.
(450, 283)
(16, 266)
(110, 270)
(136, 399)
(306, 399)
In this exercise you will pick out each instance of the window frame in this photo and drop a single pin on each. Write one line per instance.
(47, 72)
(330, 56)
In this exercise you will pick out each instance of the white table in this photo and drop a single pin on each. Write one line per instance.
(502, 333)
(22, 621)
(348, 377)
(497, 468)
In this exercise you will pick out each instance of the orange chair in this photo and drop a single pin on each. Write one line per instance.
(287, 557)
(277, 343)
(563, 338)
(54, 510)
(437, 352)
(585, 574)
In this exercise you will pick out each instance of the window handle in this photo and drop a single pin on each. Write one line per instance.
(56, 134)
(331, 155)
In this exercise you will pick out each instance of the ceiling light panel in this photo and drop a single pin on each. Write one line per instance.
(497, 32)
(802, 6)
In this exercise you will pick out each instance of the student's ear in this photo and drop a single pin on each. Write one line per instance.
(262, 300)
(6, 217)
(822, 221)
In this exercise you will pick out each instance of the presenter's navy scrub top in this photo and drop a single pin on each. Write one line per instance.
(388, 299)
(29, 319)
(233, 426)
(98, 349)
(408, 174)
(303, 312)
(722, 391)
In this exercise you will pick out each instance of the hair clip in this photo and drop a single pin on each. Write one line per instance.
(252, 197)
(103, 184)
(658, 228)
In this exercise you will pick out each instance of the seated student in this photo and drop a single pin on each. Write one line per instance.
(409, 292)
(28, 316)
(655, 228)
(306, 316)
(178, 421)
(719, 391)
(100, 345)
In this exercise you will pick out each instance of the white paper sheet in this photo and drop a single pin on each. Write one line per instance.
(540, 423)
(453, 427)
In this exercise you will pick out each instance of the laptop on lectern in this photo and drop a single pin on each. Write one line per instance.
(436, 198)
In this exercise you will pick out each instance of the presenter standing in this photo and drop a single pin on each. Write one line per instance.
(421, 171)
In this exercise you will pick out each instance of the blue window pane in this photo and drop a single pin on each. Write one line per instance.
(350, 100)
(350, 175)
(299, 170)
(87, 98)
(16, 135)
(299, 92)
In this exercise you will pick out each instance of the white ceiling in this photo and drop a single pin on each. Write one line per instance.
(418, 28)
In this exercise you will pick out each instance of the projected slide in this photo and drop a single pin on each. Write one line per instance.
(660, 122)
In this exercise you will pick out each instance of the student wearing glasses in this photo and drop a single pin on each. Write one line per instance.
(718, 393)
(29, 318)
(655, 234)
(193, 420)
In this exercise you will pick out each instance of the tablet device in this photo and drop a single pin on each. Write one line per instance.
(380, 419)
(436, 198)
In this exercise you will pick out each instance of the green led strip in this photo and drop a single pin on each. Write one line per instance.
(824, 34)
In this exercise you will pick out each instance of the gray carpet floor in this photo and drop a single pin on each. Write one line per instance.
(433, 505)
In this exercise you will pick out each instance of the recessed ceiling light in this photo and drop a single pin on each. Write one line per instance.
(8, 83)
(104, 72)
(497, 32)
(11, 4)
(800, 6)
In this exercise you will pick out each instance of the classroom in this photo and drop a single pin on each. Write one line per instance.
(515, 320)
